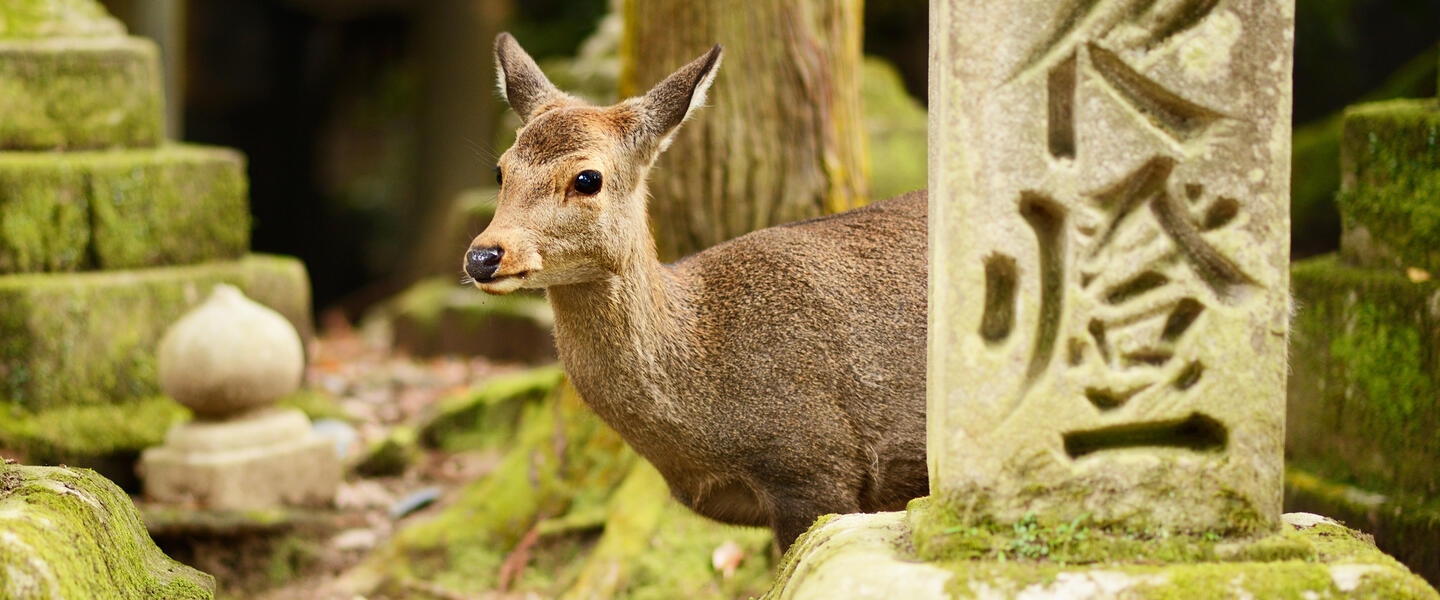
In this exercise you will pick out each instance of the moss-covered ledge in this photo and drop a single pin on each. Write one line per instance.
(1389, 196)
(69, 533)
(56, 18)
(80, 92)
(122, 209)
(880, 556)
(89, 338)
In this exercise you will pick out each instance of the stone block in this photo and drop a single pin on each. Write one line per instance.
(56, 18)
(1364, 397)
(69, 211)
(80, 92)
(107, 437)
(870, 556)
(1405, 526)
(1389, 196)
(90, 338)
(267, 459)
(438, 317)
(69, 533)
(1109, 262)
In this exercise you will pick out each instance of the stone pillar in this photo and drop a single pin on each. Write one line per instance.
(1109, 213)
(228, 361)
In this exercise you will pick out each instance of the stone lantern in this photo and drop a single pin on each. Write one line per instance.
(228, 361)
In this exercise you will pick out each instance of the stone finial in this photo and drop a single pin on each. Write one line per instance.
(229, 355)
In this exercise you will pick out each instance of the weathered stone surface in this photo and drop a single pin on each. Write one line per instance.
(437, 316)
(1390, 184)
(1405, 526)
(90, 338)
(1109, 261)
(69, 533)
(80, 92)
(870, 556)
(56, 18)
(230, 354)
(266, 459)
(121, 209)
(1364, 398)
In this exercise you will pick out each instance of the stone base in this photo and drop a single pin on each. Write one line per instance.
(69, 533)
(264, 460)
(70, 93)
(122, 209)
(872, 556)
(90, 338)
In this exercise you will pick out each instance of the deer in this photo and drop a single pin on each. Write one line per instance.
(771, 379)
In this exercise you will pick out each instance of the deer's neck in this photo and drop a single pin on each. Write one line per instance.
(622, 336)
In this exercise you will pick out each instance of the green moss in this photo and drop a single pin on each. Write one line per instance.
(89, 339)
(1391, 179)
(895, 124)
(943, 533)
(1365, 350)
(56, 18)
(74, 434)
(70, 93)
(490, 413)
(69, 533)
(390, 455)
(438, 316)
(121, 209)
(564, 461)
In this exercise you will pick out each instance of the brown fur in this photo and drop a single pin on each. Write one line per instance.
(771, 379)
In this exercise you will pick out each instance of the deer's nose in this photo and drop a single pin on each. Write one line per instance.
(481, 263)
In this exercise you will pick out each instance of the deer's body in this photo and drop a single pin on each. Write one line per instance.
(771, 379)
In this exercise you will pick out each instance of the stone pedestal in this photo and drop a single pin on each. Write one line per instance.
(262, 460)
(228, 361)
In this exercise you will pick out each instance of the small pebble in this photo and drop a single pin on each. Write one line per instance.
(414, 502)
(342, 433)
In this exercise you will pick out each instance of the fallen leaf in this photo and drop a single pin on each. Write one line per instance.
(1417, 275)
(726, 558)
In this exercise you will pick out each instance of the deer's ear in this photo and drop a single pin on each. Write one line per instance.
(671, 101)
(522, 83)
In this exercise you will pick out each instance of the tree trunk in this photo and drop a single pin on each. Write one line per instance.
(781, 138)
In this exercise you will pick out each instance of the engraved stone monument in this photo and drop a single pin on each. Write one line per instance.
(1109, 274)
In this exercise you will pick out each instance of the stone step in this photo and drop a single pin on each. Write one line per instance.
(1404, 526)
(80, 92)
(1389, 196)
(438, 316)
(70, 211)
(90, 338)
(1364, 393)
(56, 18)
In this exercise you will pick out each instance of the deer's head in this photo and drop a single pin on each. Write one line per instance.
(572, 188)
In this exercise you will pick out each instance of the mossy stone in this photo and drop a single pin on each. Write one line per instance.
(90, 338)
(1390, 184)
(438, 316)
(1365, 353)
(69, 211)
(1341, 563)
(56, 18)
(80, 92)
(69, 533)
(1406, 526)
(895, 124)
(487, 415)
(107, 438)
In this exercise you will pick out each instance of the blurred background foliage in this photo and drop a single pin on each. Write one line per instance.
(341, 106)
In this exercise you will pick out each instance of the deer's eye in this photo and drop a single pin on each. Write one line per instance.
(498, 178)
(588, 182)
